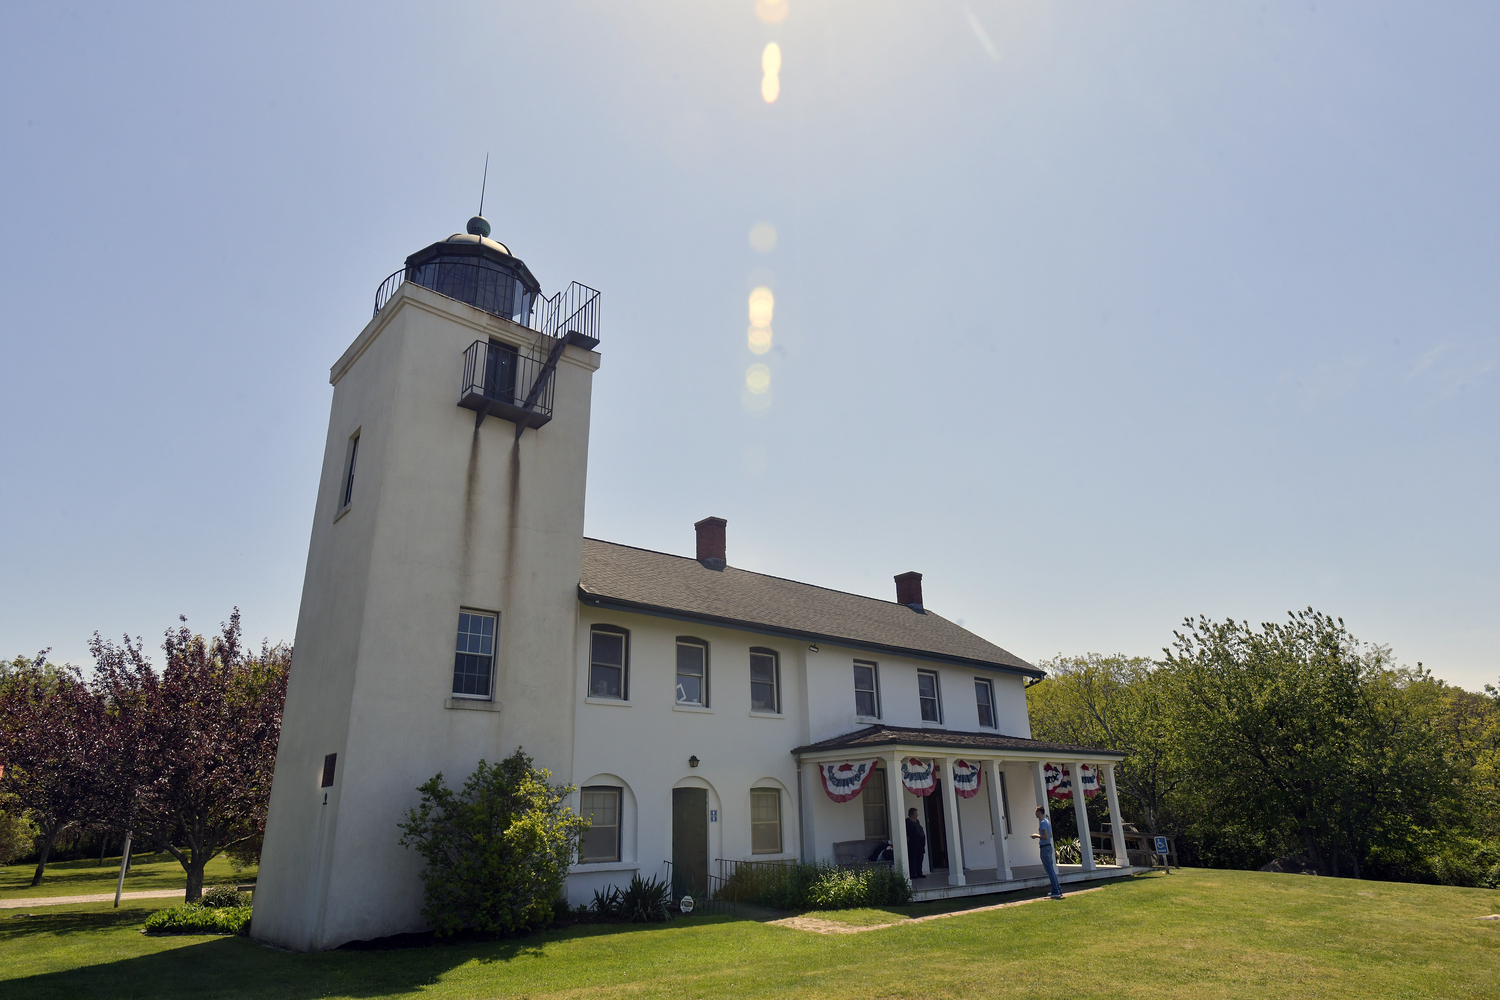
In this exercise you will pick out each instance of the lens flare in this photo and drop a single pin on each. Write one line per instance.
(759, 338)
(771, 11)
(763, 237)
(758, 379)
(770, 65)
(762, 303)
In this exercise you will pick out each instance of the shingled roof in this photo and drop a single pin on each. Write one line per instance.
(640, 580)
(875, 737)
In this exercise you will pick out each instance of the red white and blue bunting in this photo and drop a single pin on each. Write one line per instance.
(918, 777)
(843, 782)
(965, 779)
(1059, 780)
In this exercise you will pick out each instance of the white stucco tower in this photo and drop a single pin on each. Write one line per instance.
(439, 608)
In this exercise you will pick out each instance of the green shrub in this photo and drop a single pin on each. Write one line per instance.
(17, 836)
(1467, 862)
(1068, 852)
(497, 852)
(818, 886)
(216, 896)
(192, 918)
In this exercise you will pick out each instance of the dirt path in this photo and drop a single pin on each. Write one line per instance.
(98, 897)
(820, 925)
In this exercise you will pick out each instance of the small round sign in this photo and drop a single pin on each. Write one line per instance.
(685, 904)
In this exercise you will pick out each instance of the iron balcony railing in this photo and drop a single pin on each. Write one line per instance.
(502, 380)
(574, 310)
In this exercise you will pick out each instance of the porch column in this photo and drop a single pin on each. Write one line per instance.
(955, 842)
(895, 814)
(1081, 811)
(997, 820)
(1040, 781)
(1116, 821)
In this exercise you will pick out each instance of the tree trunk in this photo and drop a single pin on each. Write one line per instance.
(41, 865)
(194, 879)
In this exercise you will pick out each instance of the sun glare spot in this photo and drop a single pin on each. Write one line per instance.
(770, 65)
(762, 303)
(763, 237)
(771, 11)
(760, 339)
(758, 379)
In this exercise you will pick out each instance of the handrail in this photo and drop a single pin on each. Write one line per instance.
(574, 310)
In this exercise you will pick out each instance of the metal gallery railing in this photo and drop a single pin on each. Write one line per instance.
(514, 382)
(574, 310)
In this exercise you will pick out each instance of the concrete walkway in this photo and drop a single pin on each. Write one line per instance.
(98, 897)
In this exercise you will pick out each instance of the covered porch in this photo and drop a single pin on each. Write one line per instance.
(975, 796)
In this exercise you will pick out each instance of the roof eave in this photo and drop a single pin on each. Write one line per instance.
(657, 611)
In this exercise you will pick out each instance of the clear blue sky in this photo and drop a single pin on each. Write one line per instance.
(1098, 315)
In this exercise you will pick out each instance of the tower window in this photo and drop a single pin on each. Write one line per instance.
(346, 490)
(765, 681)
(927, 694)
(500, 364)
(866, 690)
(984, 695)
(474, 661)
(609, 662)
(692, 671)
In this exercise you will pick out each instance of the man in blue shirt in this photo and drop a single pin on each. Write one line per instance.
(1049, 856)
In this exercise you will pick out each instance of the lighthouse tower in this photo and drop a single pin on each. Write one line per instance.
(439, 606)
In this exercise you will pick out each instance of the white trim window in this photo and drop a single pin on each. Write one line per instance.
(765, 821)
(866, 689)
(474, 657)
(765, 680)
(609, 662)
(600, 805)
(984, 697)
(692, 671)
(929, 696)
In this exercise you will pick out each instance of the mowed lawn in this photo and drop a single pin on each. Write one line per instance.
(83, 878)
(1193, 934)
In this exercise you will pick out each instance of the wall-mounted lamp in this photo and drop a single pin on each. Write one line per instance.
(693, 761)
(812, 647)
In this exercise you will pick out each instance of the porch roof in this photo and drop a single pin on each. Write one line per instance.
(876, 737)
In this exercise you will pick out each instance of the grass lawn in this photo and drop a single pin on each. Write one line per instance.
(1193, 934)
(82, 878)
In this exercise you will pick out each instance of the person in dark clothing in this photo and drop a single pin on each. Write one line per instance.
(916, 844)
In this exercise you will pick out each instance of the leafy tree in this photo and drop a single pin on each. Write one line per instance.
(49, 725)
(1122, 703)
(497, 852)
(1299, 730)
(193, 747)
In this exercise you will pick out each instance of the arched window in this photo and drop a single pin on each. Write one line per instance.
(609, 662)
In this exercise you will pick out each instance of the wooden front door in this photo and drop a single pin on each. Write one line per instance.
(689, 841)
(937, 829)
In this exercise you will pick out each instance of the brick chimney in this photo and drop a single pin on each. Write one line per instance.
(711, 543)
(908, 589)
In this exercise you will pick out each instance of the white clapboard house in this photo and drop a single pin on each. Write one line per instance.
(453, 610)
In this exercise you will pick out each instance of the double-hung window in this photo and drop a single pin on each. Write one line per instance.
(609, 662)
(765, 821)
(474, 660)
(600, 804)
(765, 680)
(877, 816)
(866, 690)
(692, 671)
(927, 694)
(984, 696)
